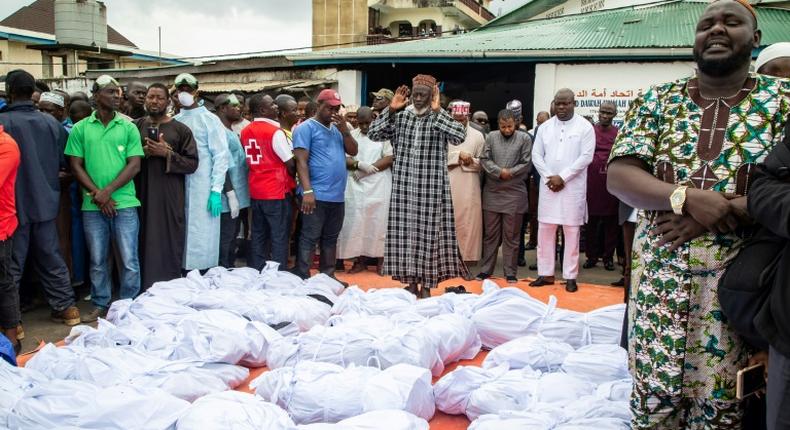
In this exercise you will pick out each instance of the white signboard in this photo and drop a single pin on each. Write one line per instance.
(573, 7)
(594, 83)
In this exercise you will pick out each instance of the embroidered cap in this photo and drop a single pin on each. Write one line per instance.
(54, 98)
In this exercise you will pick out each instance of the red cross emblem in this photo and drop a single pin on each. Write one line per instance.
(253, 151)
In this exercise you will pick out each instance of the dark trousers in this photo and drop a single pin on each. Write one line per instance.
(522, 244)
(271, 227)
(322, 225)
(78, 247)
(228, 230)
(602, 233)
(40, 240)
(9, 294)
(531, 217)
(500, 229)
(778, 397)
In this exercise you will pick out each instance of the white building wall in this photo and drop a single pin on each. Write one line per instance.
(598, 82)
(349, 86)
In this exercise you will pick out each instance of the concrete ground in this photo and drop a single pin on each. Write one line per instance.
(38, 326)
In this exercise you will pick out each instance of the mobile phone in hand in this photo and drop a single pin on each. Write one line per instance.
(751, 380)
(153, 133)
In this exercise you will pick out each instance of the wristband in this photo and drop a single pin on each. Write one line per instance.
(355, 166)
(307, 192)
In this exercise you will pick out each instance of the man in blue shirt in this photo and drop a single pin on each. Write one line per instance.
(320, 147)
(41, 141)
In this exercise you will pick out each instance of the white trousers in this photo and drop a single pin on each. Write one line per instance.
(547, 250)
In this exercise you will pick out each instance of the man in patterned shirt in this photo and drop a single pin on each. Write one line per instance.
(421, 247)
(684, 156)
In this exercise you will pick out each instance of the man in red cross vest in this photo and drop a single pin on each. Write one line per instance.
(271, 177)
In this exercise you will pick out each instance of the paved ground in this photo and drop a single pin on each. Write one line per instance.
(38, 326)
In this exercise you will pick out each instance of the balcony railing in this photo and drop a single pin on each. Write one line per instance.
(381, 39)
(475, 6)
(471, 4)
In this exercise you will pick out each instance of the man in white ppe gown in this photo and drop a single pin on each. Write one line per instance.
(367, 197)
(564, 147)
(204, 187)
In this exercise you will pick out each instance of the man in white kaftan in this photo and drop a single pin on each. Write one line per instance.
(564, 147)
(367, 197)
(463, 165)
(204, 187)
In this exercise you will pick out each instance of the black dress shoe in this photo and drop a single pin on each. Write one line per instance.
(533, 267)
(482, 276)
(530, 246)
(522, 262)
(541, 281)
(618, 283)
(511, 279)
(609, 265)
(570, 286)
(589, 264)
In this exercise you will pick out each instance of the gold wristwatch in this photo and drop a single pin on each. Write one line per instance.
(677, 199)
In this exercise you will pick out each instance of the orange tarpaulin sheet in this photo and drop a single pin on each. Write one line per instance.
(588, 297)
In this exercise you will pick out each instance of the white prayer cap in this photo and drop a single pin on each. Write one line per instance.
(514, 106)
(772, 52)
(54, 98)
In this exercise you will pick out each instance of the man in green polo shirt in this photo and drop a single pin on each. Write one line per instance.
(105, 152)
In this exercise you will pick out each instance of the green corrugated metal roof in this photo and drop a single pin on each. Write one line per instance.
(666, 25)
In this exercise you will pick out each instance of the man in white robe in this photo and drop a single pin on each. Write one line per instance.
(367, 197)
(463, 165)
(564, 147)
(204, 187)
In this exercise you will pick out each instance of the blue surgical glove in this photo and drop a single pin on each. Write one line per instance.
(215, 203)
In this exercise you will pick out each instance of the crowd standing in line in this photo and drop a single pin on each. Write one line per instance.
(426, 190)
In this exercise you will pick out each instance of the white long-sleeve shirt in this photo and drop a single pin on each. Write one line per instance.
(564, 148)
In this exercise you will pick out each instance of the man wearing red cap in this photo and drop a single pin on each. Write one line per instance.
(684, 156)
(320, 147)
(421, 248)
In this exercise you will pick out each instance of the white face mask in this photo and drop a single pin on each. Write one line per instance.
(185, 99)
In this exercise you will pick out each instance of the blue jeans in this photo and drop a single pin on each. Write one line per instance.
(123, 229)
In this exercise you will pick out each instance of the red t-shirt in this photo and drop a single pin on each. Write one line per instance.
(9, 163)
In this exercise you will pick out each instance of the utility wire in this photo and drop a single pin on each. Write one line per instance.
(281, 50)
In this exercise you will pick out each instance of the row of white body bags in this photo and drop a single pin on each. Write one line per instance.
(315, 392)
(504, 314)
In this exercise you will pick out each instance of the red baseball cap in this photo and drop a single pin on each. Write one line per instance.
(330, 97)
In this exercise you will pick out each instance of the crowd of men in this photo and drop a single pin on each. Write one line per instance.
(172, 178)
